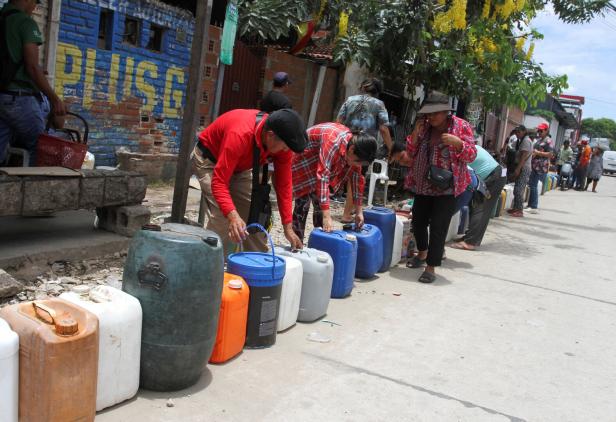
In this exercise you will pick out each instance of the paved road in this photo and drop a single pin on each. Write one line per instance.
(524, 330)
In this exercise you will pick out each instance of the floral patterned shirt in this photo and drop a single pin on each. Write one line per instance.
(443, 156)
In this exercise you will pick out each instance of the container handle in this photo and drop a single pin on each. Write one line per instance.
(271, 242)
(40, 307)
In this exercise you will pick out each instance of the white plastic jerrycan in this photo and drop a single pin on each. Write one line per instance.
(120, 318)
(291, 293)
(9, 373)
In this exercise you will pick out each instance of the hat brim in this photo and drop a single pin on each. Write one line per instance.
(434, 108)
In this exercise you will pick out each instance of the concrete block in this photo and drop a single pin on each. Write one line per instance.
(137, 187)
(8, 285)
(49, 195)
(116, 190)
(125, 220)
(92, 192)
(11, 194)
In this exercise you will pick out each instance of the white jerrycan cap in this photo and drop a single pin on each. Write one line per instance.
(351, 238)
(322, 259)
(81, 290)
(235, 284)
(100, 294)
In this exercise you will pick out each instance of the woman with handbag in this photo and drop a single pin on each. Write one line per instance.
(438, 152)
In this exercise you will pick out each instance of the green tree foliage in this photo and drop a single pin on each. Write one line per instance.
(599, 128)
(469, 48)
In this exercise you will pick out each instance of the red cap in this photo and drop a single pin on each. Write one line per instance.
(543, 126)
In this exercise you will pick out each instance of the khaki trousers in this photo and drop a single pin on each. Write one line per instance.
(240, 187)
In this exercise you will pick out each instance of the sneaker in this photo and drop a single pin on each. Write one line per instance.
(533, 211)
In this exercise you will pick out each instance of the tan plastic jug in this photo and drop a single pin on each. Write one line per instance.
(58, 358)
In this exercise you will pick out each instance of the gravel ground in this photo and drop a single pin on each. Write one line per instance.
(62, 276)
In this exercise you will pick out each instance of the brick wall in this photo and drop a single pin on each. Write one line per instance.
(304, 75)
(210, 74)
(132, 96)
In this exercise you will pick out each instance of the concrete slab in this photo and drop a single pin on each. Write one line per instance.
(522, 330)
(29, 242)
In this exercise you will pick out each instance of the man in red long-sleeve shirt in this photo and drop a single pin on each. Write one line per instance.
(333, 156)
(223, 161)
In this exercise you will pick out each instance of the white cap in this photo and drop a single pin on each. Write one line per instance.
(322, 259)
(235, 284)
(81, 289)
(351, 238)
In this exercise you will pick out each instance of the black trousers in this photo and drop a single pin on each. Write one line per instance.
(481, 208)
(434, 212)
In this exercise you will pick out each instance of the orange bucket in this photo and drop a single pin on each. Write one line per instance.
(231, 334)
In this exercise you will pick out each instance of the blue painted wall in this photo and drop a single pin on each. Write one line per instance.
(131, 96)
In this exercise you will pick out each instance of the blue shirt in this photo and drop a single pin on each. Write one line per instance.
(484, 164)
(363, 112)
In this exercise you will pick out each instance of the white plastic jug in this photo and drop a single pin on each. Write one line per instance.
(406, 234)
(120, 318)
(290, 294)
(396, 253)
(9, 373)
(317, 281)
(509, 198)
(452, 233)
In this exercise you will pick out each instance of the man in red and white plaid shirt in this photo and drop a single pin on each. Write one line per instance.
(332, 156)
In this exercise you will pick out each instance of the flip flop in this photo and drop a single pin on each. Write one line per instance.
(416, 262)
(460, 246)
(427, 277)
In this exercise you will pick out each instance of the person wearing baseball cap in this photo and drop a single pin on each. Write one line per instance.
(223, 163)
(543, 152)
(276, 99)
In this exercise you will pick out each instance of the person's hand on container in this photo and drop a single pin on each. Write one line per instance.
(237, 227)
(294, 240)
(328, 224)
(359, 219)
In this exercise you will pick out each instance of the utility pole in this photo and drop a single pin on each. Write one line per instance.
(189, 122)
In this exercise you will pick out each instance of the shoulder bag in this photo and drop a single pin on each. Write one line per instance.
(260, 206)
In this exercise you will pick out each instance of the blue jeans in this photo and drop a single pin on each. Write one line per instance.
(533, 198)
(22, 120)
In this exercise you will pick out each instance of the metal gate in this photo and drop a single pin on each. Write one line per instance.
(241, 85)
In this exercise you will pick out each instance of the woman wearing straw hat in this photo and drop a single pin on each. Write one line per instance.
(437, 153)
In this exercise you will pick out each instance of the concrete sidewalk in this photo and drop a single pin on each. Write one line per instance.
(522, 330)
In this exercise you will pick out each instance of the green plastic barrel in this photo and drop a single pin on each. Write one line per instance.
(176, 272)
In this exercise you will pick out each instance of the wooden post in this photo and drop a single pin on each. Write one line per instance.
(317, 96)
(189, 122)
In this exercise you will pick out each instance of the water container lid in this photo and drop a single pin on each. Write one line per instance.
(81, 289)
(235, 284)
(256, 266)
(351, 238)
(185, 231)
(322, 258)
(101, 294)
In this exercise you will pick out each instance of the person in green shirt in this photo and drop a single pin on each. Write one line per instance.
(565, 155)
(23, 82)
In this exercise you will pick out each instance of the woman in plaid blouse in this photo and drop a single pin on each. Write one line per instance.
(333, 155)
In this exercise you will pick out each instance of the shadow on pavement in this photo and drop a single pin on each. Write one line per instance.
(412, 275)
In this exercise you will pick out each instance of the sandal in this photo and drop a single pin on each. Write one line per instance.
(415, 262)
(427, 277)
(343, 221)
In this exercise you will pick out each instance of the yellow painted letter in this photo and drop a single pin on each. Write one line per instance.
(128, 77)
(113, 79)
(63, 77)
(148, 89)
(173, 94)
(88, 86)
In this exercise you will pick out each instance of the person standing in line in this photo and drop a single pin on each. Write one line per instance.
(23, 82)
(582, 168)
(333, 156)
(595, 168)
(223, 162)
(276, 99)
(564, 155)
(521, 172)
(366, 112)
(482, 204)
(540, 164)
(437, 153)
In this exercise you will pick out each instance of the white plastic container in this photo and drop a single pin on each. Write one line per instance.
(318, 269)
(396, 253)
(9, 373)
(452, 233)
(120, 318)
(291, 293)
(509, 199)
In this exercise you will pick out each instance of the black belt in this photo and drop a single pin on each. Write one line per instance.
(20, 93)
(206, 152)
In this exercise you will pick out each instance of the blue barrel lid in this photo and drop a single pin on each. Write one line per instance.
(257, 267)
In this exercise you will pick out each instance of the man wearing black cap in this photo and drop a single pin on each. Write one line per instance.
(223, 162)
(276, 98)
